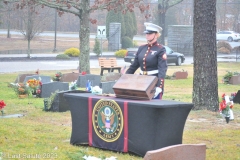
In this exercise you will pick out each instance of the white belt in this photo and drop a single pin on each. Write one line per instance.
(148, 72)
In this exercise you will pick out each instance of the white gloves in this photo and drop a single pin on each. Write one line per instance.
(158, 90)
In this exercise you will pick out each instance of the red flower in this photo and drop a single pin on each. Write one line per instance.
(57, 75)
(222, 105)
(38, 91)
(223, 95)
(83, 73)
(2, 104)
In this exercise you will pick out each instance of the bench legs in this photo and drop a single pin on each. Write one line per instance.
(102, 69)
(110, 70)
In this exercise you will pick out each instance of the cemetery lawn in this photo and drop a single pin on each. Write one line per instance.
(39, 133)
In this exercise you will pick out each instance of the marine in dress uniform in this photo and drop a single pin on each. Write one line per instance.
(151, 58)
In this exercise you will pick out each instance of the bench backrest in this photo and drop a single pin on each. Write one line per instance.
(110, 62)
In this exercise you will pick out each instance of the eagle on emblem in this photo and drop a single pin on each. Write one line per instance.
(108, 119)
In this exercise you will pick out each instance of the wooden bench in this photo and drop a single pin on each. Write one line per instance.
(109, 64)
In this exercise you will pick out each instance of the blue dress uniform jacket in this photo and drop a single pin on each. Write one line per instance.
(152, 60)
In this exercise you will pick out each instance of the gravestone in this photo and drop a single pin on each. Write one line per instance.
(44, 79)
(50, 87)
(181, 75)
(69, 77)
(60, 104)
(12, 116)
(111, 76)
(107, 87)
(236, 99)
(83, 79)
(178, 152)
(235, 80)
(21, 77)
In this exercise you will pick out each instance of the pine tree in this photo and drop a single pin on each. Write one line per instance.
(97, 48)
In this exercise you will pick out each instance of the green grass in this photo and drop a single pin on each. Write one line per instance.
(40, 133)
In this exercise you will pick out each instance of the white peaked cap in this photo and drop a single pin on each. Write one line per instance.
(150, 28)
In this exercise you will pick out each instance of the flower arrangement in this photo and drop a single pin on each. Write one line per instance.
(22, 89)
(35, 85)
(226, 106)
(73, 85)
(57, 76)
(2, 105)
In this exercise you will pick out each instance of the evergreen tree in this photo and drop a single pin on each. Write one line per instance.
(97, 48)
(128, 23)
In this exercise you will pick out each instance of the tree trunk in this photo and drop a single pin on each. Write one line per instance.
(84, 62)
(29, 30)
(163, 15)
(205, 81)
(161, 22)
(8, 24)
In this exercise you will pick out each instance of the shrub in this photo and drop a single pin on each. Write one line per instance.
(224, 47)
(127, 42)
(72, 52)
(62, 56)
(121, 53)
(97, 48)
(223, 50)
(236, 49)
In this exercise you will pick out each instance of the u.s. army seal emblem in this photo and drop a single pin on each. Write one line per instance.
(107, 120)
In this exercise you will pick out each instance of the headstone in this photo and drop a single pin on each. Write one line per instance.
(95, 79)
(12, 116)
(44, 79)
(181, 75)
(49, 88)
(21, 77)
(69, 77)
(236, 99)
(235, 80)
(83, 79)
(60, 104)
(178, 152)
(111, 76)
(107, 87)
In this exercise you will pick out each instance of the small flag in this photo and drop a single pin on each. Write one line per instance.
(88, 86)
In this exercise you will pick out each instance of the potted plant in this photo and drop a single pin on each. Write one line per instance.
(22, 90)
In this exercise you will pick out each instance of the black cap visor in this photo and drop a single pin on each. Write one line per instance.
(149, 32)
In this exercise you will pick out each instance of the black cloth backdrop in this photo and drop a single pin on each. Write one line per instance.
(152, 124)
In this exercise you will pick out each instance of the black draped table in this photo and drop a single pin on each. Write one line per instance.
(145, 125)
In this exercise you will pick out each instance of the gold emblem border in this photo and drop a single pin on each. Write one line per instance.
(121, 117)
